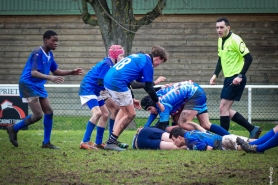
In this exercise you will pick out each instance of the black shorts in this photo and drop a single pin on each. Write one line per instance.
(233, 92)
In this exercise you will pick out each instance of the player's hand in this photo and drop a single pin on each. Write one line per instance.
(168, 85)
(57, 79)
(213, 80)
(136, 104)
(159, 80)
(237, 81)
(160, 106)
(77, 71)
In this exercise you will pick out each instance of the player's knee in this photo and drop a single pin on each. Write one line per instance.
(131, 116)
(36, 117)
(206, 126)
(97, 114)
(105, 115)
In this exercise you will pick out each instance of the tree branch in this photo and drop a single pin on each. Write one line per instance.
(86, 17)
(150, 16)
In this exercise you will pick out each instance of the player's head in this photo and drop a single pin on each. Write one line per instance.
(116, 52)
(177, 135)
(159, 55)
(50, 39)
(222, 27)
(147, 103)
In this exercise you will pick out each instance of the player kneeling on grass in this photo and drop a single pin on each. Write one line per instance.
(267, 141)
(183, 101)
(153, 138)
(32, 91)
(196, 140)
(89, 93)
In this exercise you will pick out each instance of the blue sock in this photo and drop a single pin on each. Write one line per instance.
(21, 124)
(272, 142)
(47, 122)
(264, 138)
(99, 135)
(218, 130)
(89, 129)
(111, 125)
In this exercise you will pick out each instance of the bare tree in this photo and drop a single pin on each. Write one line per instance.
(119, 25)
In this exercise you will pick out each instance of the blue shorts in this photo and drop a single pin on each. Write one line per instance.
(149, 138)
(93, 102)
(233, 92)
(31, 90)
(197, 102)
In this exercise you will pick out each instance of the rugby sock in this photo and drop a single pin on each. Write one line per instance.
(113, 139)
(218, 130)
(89, 129)
(264, 138)
(99, 136)
(239, 119)
(225, 122)
(272, 142)
(47, 122)
(23, 123)
(111, 125)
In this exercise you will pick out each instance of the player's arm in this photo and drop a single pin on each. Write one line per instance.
(150, 120)
(150, 90)
(59, 72)
(102, 74)
(37, 69)
(247, 62)
(217, 70)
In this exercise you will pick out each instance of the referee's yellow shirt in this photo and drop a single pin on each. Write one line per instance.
(231, 55)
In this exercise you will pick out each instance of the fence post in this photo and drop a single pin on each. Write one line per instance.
(250, 105)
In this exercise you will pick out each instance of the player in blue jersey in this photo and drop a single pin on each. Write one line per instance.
(267, 141)
(89, 93)
(196, 140)
(189, 97)
(117, 80)
(32, 91)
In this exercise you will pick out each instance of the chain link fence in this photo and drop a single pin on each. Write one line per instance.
(258, 103)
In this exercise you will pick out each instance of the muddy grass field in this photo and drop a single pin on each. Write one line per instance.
(30, 164)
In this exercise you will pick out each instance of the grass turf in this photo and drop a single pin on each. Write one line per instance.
(29, 164)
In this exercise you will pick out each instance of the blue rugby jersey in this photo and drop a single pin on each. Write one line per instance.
(43, 63)
(197, 140)
(173, 98)
(89, 84)
(130, 68)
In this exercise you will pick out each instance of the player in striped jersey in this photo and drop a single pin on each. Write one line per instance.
(183, 101)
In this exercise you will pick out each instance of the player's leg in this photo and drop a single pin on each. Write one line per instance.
(229, 142)
(267, 141)
(225, 106)
(205, 123)
(124, 117)
(36, 109)
(93, 105)
(114, 109)
(101, 125)
(254, 131)
(47, 123)
(185, 121)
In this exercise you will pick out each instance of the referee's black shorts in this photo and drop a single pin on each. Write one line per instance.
(231, 91)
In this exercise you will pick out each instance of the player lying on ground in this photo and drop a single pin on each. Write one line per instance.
(196, 140)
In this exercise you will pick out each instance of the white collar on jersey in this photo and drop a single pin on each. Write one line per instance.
(48, 56)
